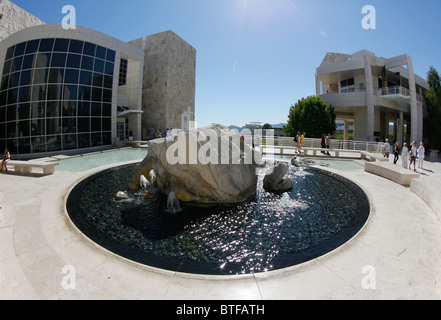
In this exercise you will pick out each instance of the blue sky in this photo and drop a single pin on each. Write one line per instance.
(255, 58)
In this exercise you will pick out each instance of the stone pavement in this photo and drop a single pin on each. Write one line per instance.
(398, 251)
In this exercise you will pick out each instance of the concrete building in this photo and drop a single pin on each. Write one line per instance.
(65, 90)
(383, 97)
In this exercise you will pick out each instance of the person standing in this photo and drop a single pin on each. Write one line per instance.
(328, 143)
(413, 155)
(298, 137)
(387, 149)
(421, 155)
(404, 156)
(323, 143)
(396, 152)
(6, 158)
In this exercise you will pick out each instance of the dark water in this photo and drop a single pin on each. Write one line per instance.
(320, 213)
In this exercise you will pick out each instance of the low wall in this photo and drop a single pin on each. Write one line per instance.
(428, 189)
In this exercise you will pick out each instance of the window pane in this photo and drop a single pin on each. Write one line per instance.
(61, 45)
(53, 110)
(87, 63)
(16, 64)
(71, 76)
(24, 146)
(97, 94)
(58, 60)
(7, 67)
(108, 82)
(107, 95)
(110, 55)
(84, 140)
(83, 124)
(56, 75)
(97, 80)
(38, 109)
(24, 111)
(40, 76)
(53, 126)
(96, 139)
(76, 46)
(84, 93)
(69, 142)
(10, 53)
(28, 61)
(32, 46)
(38, 144)
(89, 49)
(73, 61)
(15, 79)
(107, 124)
(101, 52)
(39, 92)
(69, 108)
(107, 138)
(24, 128)
(24, 94)
(46, 45)
(12, 95)
(54, 92)
(83, 108)
(86, 77)
(70, 92)
(38, 127)
(20, 49)
(109, 68)
(96, 109)
(53, 143)
(99, 66)
(11, 129)
(26, 77)
(3, 100)
(69, 125)
(11, 113)
(43, 60)
(96, 124)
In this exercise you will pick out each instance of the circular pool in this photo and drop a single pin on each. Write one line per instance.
(322, 212)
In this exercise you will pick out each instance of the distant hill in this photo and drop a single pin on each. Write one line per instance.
(275, 126)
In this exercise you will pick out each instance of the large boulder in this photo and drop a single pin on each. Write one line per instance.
(210, 165)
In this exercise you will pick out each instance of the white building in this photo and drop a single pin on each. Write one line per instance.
(374, 92)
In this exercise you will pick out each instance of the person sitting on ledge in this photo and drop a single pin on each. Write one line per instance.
(6, 158)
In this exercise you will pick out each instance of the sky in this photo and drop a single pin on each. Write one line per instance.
(256, 58)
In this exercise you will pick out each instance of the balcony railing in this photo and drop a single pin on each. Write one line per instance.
(394, 90)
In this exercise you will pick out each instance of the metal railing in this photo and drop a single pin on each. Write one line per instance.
(394, 90)
(334, 144)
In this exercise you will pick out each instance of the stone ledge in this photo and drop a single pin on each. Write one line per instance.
(392, 172)
(428, 190)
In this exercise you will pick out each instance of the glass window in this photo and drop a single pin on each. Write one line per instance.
(83, 108)
(54, 92)
(24, 94)
(70, 92)
(73, 61)
(107, 110)
(56, 75)
(108, 82)
(32, 46)
(83, 124)
(24, 128)
(11, 112)
(38, 127)
(76, 46)
(107, 124)
(109, 68)
(110, 55)
(53, 143)
(123, 71)
(99, 66)
(69, 108)
(58, 60)
(12, 95)
(96, 124)
(107, 138)
(38, 109)
(71, 76)
(69, 125)
(84, 93)
(3, 99)
(84, 140)
(15, 79)
(87, 63)
(89, 49)
(38, 144)
(26, 78)
(97, 80)
(61, 45)
(43, 60)
(46, 45)
(101, 52)
(53, 126)
(28, 61)
(39, 92)
(2, 130)
(10, 53)
(107, 95)
(40, 76)
(86, 77)
(96, 109)
(53, 109)
(24, 145)
(20, 49)
(69, 141)
(97, 94)
(97, 139)
(16, 64)
(7, 67)
(11, 129)
(24, 111)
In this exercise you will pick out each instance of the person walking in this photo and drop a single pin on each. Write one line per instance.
(396, 152)
(421, 154)
(323, 143)
(404, 156)
(328, 143)
(413, 155)
(297, 139)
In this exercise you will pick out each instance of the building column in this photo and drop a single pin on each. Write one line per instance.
(400, 133)
(370, 97)
(415, 114)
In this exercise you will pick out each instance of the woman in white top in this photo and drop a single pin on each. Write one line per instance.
(421, 155)
(404, 156)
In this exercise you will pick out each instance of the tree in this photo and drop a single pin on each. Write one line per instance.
(267, 126)
(311, 115)
(432, 129)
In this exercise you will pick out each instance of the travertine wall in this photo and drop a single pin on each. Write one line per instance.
(169, 83)
(14, 18)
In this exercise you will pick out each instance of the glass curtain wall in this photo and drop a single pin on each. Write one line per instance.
(56, 94)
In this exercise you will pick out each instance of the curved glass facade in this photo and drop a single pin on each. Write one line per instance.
(56, 94)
